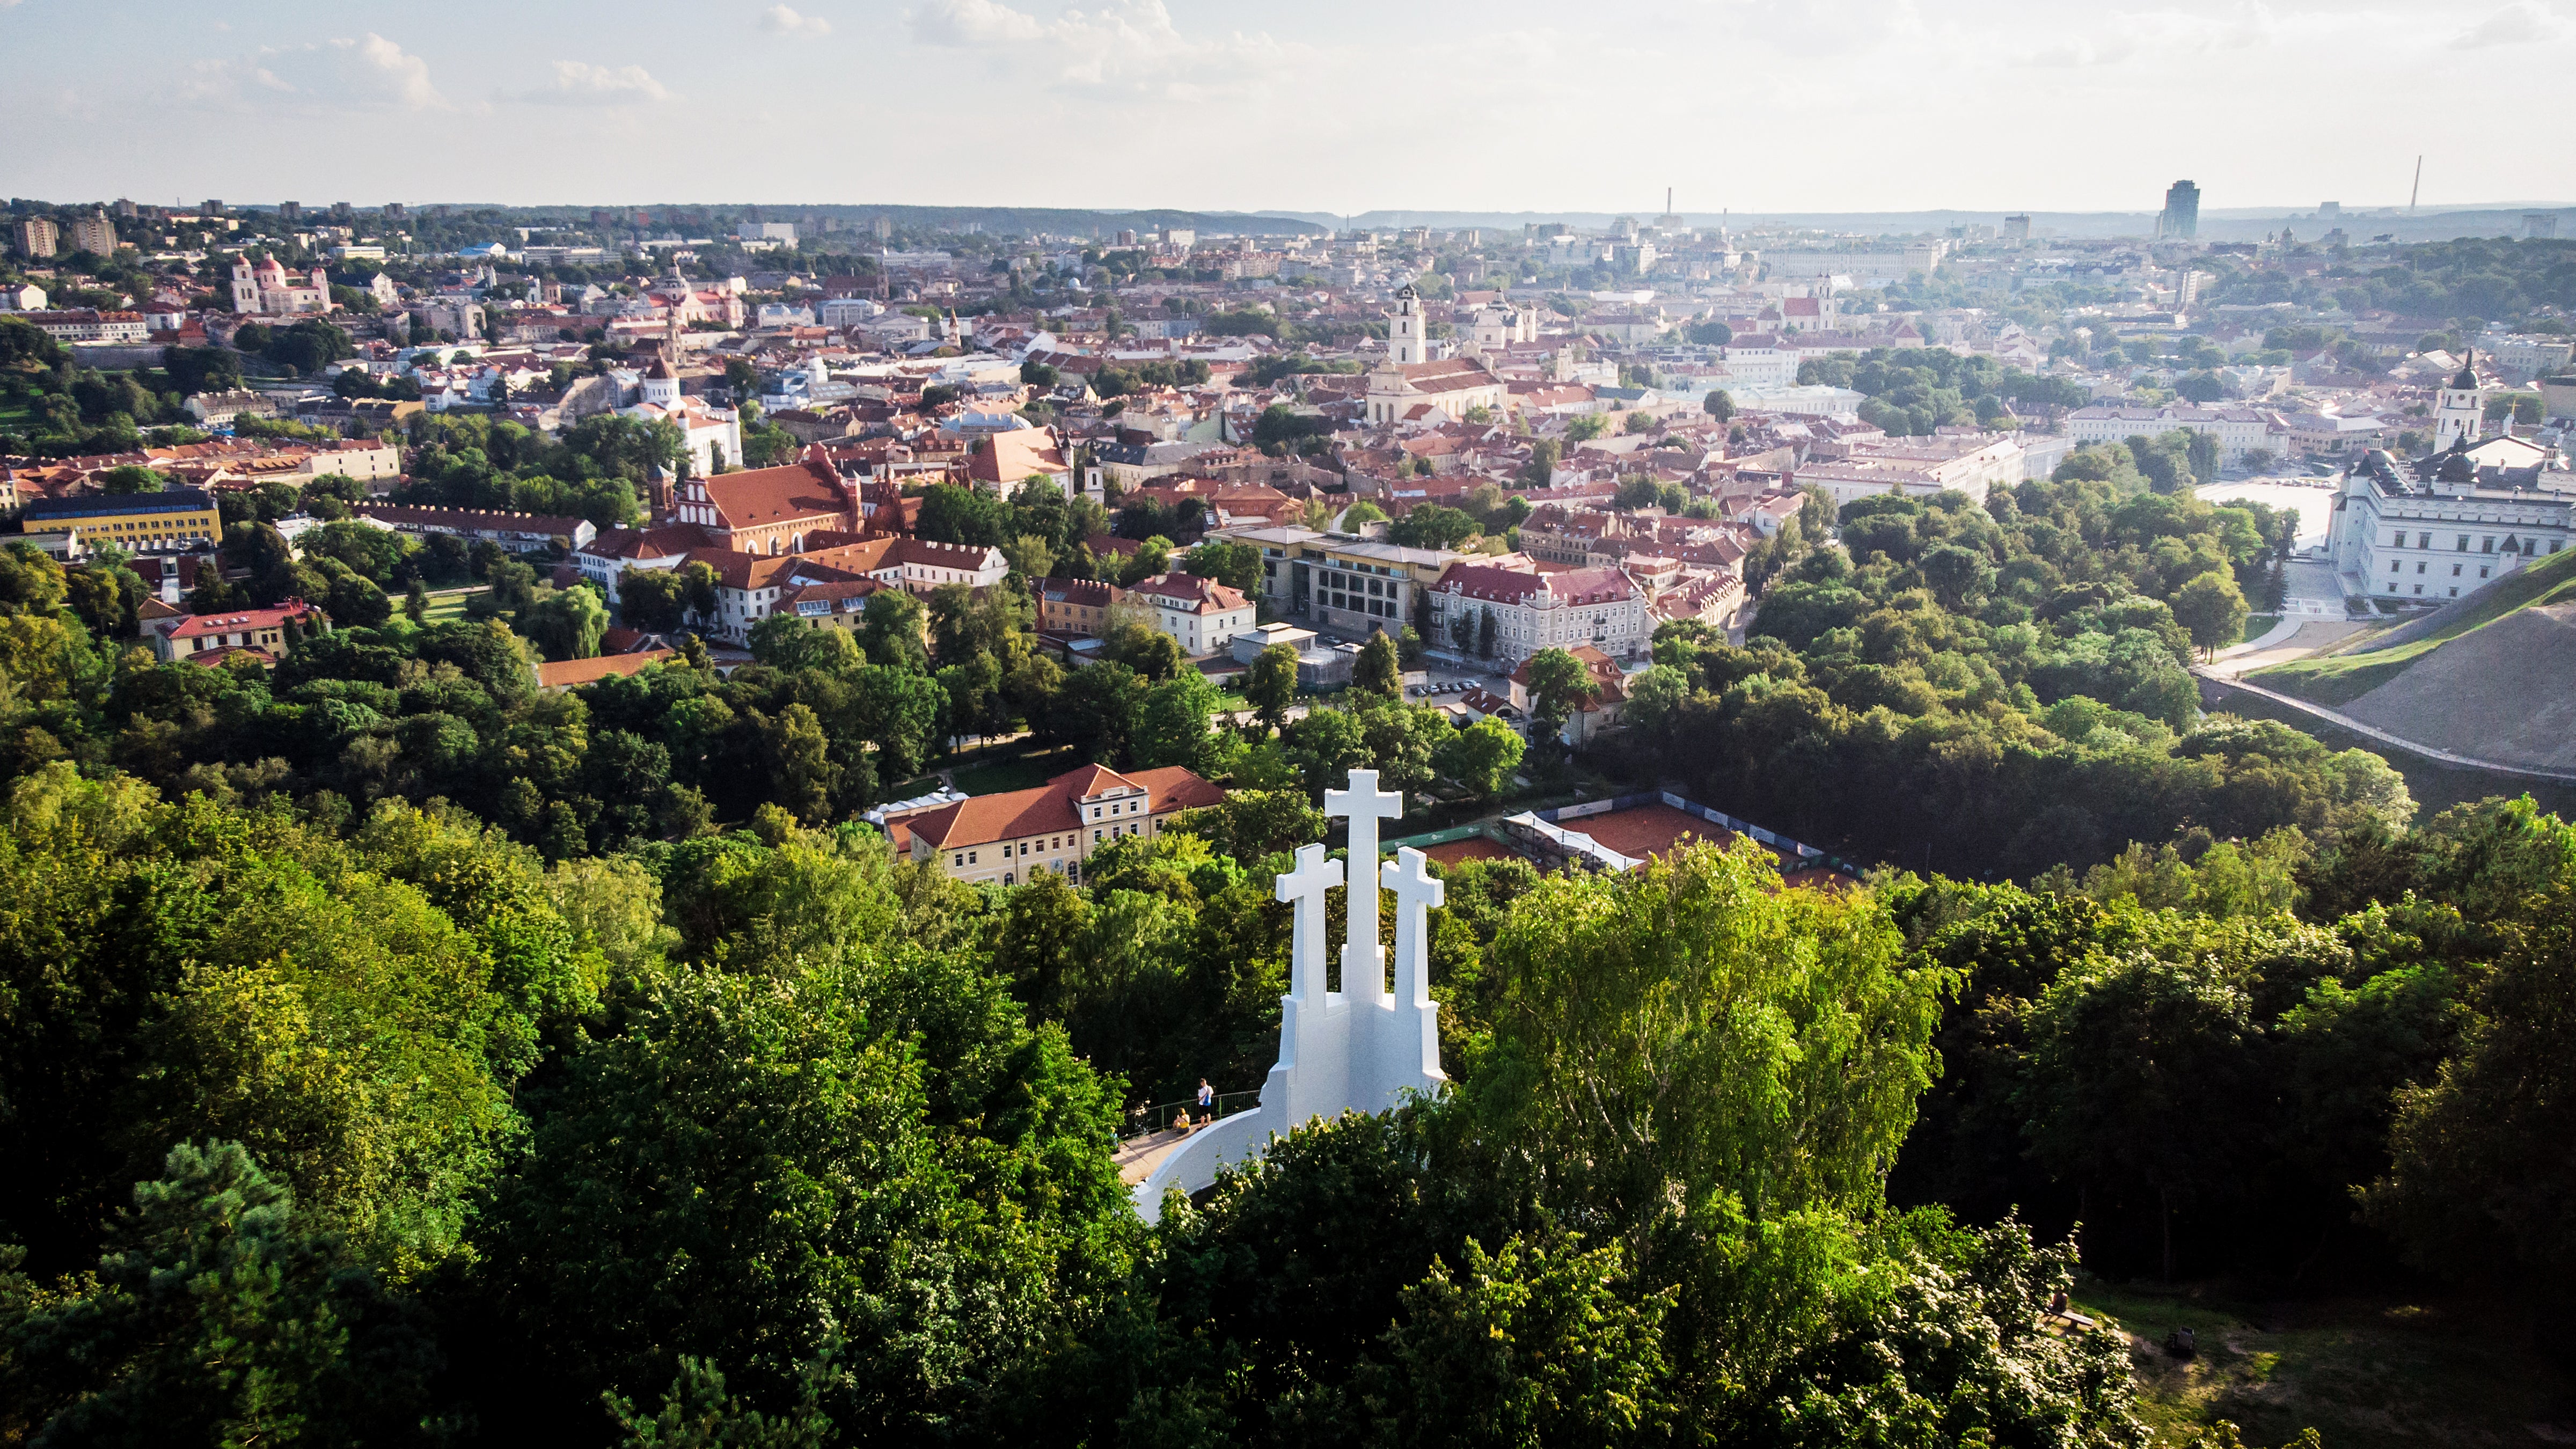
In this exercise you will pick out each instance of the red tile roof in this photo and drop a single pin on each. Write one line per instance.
(1057, 806)
(200, 626)
(808, 488)
(1189, 594)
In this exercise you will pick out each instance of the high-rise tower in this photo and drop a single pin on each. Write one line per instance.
(2181, 218)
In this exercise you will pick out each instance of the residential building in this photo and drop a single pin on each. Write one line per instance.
(518, 532)
(1005, 460)
(1076, 606)
(94, 234)
(1531, 611)
(88, 324)
(1202, 615)
(1341, 584)
(1133, 465)
(1010, 838)
(163, 522)
(2447, 525)
(2332, 435)
(36, 237)
(1609, 697)
(219, 409)
(258, 634)
(752, 586)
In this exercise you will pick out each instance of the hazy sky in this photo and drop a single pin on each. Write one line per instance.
(1332, 105)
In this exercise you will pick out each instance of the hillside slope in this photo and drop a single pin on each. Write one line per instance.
(2342, 679)
(2505, 692)
(2489, 677)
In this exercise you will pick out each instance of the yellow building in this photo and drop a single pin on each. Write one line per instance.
(170, 521)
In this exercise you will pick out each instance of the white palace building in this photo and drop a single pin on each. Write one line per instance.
(2448, 524)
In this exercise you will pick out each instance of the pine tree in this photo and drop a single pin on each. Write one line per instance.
(416, 602)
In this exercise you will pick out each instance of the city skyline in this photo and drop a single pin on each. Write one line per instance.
(1330, 108)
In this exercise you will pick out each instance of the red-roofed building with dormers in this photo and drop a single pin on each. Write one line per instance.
(1008, 839)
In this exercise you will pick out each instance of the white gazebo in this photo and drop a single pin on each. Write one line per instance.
(1357, 1049)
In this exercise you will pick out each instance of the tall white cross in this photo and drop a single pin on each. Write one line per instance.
(1417, 890)
(1306, 885)
(1363, 959)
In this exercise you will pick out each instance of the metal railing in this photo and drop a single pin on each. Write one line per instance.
(1158, 1117)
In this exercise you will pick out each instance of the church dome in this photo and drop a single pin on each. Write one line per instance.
(2468, 374)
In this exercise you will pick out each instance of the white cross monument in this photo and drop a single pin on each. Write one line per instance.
(1357, 1049)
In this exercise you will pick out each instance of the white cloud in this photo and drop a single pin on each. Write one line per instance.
(2527, 23)
(407, 74)
(973, 23)
(338, 74)
(1128, 47)
(779, 20)
(579, 83)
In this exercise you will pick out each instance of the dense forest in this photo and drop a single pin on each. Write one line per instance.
(2473, 278)
(2001, 689)
(380, 1128)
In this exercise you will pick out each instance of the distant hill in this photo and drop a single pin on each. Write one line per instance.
(2233, 224)
(2486, 677)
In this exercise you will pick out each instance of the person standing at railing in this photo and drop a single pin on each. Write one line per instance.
(1207, 1101)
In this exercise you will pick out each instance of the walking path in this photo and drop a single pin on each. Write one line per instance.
(2290, 639)
(1137, 1159)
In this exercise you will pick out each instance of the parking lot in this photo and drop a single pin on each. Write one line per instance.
(1445, 678)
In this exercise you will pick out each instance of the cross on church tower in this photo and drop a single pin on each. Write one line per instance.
(1363, 959)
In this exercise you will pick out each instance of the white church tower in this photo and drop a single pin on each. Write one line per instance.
(1406, 341)
(2457, 416)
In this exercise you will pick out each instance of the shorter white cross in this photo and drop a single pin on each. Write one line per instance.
(1306, 885)
(1417, 890)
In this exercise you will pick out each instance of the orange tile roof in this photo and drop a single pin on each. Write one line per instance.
(1056, 806)
(565, 673)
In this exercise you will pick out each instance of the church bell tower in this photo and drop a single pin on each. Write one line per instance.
(2457, 417)
(1405, 340)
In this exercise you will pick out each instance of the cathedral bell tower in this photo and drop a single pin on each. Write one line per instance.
(2457, 417)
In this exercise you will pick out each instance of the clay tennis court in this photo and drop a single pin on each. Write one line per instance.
(1648, 830)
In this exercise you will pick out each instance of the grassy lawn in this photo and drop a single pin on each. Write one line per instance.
(443, 607)
(2258, 625)
(1011, 769)
(2363, 1373)
(2333, 679)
